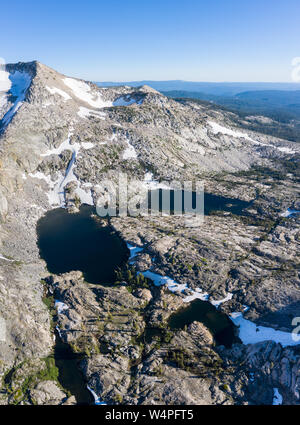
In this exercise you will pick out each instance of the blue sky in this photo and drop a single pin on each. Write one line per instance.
(121, 40)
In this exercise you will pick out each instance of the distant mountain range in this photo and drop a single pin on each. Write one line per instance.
(282, 105)
(217, 89)
(278, 101)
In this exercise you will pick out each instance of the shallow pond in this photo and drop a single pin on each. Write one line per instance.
(217, 322)
(70, 377)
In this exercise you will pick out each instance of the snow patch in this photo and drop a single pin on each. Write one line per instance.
(69, 176)
(277, 398)
(98, 401)
(5, 82)
(87, 145)
(4, 258)
(152, 184)
(65, 145)
(84, 92)
(159, 280)
(130, 152)
(41, 176)
(85, 197)
(16, 84)
(224, 300)
(197, 294)
(60, 306)
(173, 286)
(55, 90)
(250, 333)
(56, 195)
(85, 113)
(217, 128)
(286, 150)
(289, 213)
(134, 250)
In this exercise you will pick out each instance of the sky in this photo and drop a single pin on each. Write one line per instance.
(126, 40)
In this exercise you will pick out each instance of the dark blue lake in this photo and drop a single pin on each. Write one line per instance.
(80, 242)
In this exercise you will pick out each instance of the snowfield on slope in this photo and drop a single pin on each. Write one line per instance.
(129, 152)
(289, 213)
(277, 398)
(15, 84)
(86, 112)
(250, 333)
(219, 129)
(56, 195)
(60, 92)
(84, 92)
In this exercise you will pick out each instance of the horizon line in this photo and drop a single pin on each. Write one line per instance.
(158, 81)
(201, 82)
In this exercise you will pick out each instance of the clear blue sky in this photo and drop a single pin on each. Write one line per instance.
(119, 40)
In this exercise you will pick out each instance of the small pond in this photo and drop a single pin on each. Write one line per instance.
(217, 322)
(70, 376)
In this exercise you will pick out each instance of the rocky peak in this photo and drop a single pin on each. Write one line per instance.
(29, 67)
(148, 89)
